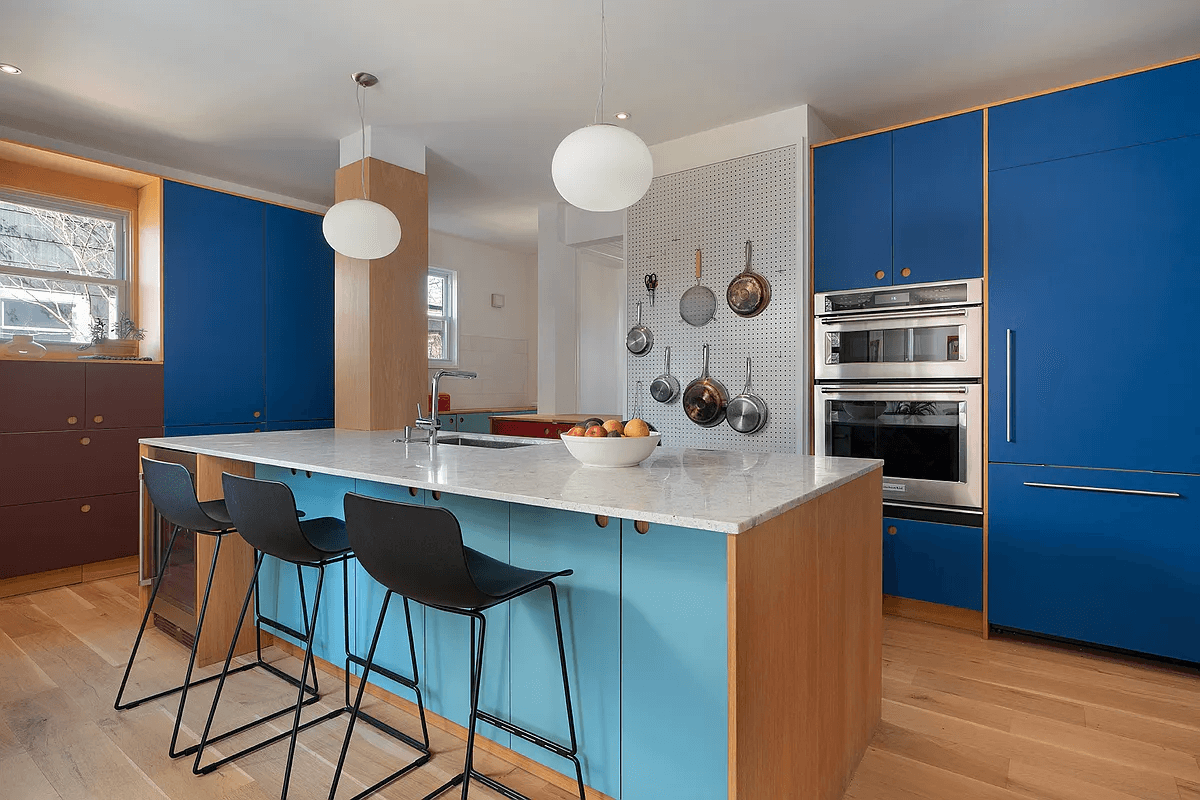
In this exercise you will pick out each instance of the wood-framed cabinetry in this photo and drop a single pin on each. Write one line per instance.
(69, 476)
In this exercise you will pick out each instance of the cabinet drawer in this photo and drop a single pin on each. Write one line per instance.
(41, 396)
(1109, 567)
(40, 467)
(537, 430)
(123, 395)
(934, 562)
(37, 537)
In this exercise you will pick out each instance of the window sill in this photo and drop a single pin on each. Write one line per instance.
(57, 351)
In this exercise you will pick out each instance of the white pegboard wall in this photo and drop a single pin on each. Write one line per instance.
(717, 208)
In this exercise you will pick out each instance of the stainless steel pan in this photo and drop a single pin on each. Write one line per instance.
(665, 388)
(747, 412)
(704, 399)
(639, 340)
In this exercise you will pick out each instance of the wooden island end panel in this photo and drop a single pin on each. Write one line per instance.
(806, 645)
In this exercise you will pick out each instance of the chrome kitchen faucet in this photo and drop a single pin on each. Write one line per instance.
(433, 424)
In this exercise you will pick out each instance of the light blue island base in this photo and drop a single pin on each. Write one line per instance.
(723, 623)
(647, 625)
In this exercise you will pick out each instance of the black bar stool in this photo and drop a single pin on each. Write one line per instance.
(265, 515)
(170, 489)
(418, 553)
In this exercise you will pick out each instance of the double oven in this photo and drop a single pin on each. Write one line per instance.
(898, 376)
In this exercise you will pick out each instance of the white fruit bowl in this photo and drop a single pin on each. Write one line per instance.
(596, 451)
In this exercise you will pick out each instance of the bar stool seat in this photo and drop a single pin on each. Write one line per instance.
(266, 517)
(170, 488)
(418, 553)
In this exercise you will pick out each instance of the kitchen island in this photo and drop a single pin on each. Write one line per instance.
(723, 623)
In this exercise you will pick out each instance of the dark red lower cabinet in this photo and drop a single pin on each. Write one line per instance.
(36, 537)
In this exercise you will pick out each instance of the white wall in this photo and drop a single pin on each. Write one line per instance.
(498, 343)
(601, 293)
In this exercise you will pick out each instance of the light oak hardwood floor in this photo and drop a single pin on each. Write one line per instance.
(963, 718)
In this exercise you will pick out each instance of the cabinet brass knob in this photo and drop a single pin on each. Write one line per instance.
(891, 530)
(547, 430)
(905, 272)
(98, 418)
(412, 491)
(437, 495)
(257, 414)
(879, 275)
(640, 526)
(602, 520)
(72, 420)
(85, 441)
(85, 508)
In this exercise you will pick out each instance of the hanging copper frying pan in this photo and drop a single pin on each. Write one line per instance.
(748, 293)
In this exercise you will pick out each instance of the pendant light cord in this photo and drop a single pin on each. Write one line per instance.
(603, 63)
(360, 94)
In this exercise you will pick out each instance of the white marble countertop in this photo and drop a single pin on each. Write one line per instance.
(714, 490)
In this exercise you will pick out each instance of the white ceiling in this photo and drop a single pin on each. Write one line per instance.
(258, 93)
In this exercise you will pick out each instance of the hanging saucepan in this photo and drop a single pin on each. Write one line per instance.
(639, 340)
(749, 292)
(747, 413)
(665, 387)
(704, 398)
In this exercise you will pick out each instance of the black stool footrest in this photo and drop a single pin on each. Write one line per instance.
(384, 671)
(529, 736)
(281, 627)
(266, 742)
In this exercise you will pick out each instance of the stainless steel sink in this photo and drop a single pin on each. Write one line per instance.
(463, 441)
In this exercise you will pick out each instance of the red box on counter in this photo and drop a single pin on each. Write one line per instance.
(443, 402)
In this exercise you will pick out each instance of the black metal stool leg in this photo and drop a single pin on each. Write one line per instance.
(311, 628)
(476, 683)
(562, 660)
(137, 642)
(187, 677)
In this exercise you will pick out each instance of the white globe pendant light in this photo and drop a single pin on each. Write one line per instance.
(360, 228)
(602, 167)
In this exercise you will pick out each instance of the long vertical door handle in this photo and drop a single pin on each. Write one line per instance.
(1008, 384)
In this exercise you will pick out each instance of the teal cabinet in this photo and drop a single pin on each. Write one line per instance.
(674, 664)
(474, 423)
(485, 526)
(852, 213)
(1112, 567)
(448, 422)
(590, 605)
(933, 562)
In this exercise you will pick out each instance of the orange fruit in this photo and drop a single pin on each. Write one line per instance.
(614, 425)
(596, 431)
(637, 427)
(576, 431)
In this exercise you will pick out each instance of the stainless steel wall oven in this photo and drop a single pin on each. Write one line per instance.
(898, 377)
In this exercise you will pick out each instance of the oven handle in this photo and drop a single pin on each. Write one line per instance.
(1008, 384)
(933, 312)
(894, 389)
(1139, 492)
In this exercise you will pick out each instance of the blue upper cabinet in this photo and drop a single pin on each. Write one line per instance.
(937, 200)
(852, 213)
(1093, 279)
(1137, 109)
(299, 317)
(212, 307)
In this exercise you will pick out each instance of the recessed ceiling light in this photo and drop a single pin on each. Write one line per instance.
(10, 69)
(622, 115)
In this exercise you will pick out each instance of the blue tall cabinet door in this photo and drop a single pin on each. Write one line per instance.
(1135, 109)
(1094, 283)
(852, 213)
(299, 329)
(937, 200)
(1111, 568)
(212, 307)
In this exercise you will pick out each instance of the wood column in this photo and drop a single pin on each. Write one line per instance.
(381, 366)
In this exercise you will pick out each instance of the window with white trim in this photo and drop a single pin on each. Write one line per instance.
(63, 268)
(443, 317)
